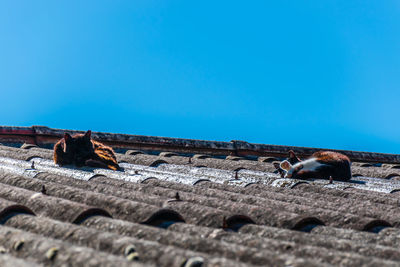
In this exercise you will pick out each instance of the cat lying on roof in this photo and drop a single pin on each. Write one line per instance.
(321, 165)
(81, 150)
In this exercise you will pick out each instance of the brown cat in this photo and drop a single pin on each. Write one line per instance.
(81, 150)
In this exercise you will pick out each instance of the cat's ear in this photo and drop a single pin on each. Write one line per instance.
(292, 157)
(286, 165)
(67, 137)
(88, 134)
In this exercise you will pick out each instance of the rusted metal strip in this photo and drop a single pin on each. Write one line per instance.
(44, 136)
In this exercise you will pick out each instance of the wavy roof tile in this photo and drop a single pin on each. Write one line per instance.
(182, 202)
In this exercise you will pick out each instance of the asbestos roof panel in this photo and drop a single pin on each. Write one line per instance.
(42, 250)
(171, 209)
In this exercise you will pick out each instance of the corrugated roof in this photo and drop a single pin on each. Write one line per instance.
(181, 202)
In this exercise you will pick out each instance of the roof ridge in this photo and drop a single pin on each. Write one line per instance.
(42, 135)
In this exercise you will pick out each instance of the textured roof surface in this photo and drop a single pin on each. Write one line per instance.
(172, 206)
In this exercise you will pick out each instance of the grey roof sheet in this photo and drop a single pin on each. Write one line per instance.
(172, 209)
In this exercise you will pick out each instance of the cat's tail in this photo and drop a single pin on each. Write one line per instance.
(107, 156)
(114, 167)
(107, 162)
(95, 163)
(100, 164)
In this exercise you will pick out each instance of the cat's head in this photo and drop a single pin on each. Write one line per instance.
(285, 165)
(79, 147)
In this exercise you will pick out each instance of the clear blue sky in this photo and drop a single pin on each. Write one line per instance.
(304, 73)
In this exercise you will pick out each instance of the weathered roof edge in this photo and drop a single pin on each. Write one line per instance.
(42, 135)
